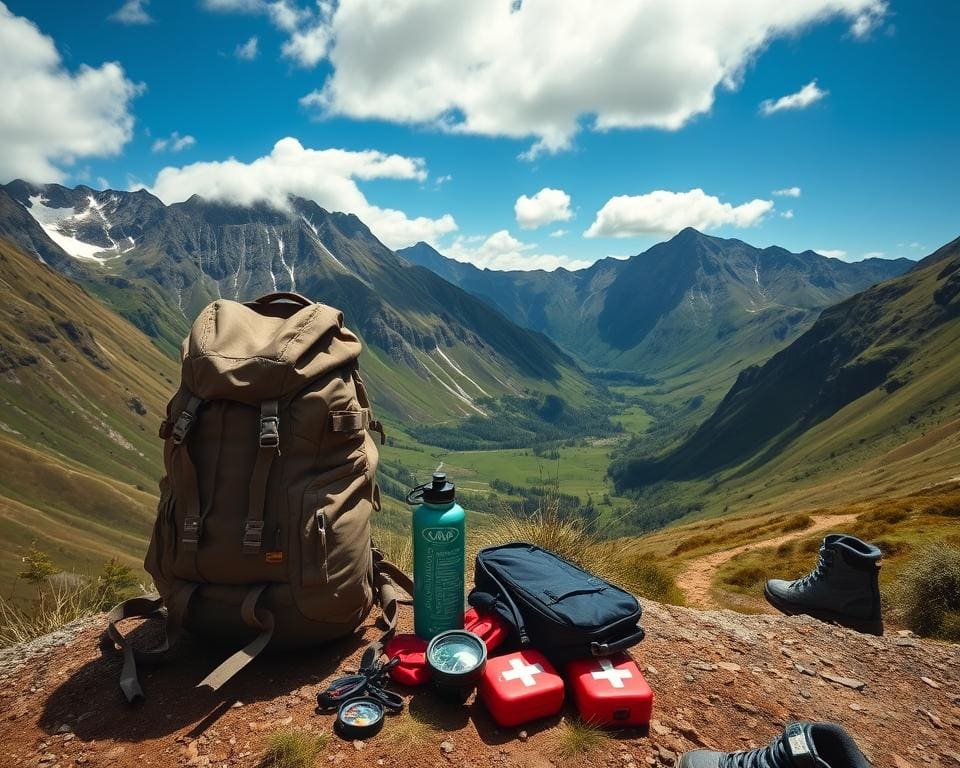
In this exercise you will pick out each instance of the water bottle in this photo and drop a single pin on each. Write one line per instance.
(438, 557)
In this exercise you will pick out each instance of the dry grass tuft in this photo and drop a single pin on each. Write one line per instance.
(576, 738)
(407, 733)
(796, 523)
(293, 749)
(928, 595)
(396, 547)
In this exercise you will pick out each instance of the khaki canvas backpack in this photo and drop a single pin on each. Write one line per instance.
(263, 527)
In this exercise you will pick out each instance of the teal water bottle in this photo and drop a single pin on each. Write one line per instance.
(438, 557)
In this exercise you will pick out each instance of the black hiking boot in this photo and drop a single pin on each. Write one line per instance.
(801, 745)
(842, 588)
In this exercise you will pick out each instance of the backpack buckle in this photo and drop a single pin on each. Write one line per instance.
(182, 426)
(252, 537)
(269, 432)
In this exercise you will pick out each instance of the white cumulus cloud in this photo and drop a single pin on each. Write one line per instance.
(173, 143)
(306, 26)
(51, 116)
(809, 94)
(664, 213)
(132, 12)
(787, 192)
(546, 206)
(249, 50)
(502, 251)
(787, 214)
(327, 176)
(523, 69)
(832, 253)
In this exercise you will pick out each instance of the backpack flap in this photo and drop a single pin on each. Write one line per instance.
(246, 353)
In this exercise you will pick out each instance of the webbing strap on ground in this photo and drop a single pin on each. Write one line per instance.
(145, 607)
(262, 620)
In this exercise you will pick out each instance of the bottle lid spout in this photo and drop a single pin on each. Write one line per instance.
(438, 491)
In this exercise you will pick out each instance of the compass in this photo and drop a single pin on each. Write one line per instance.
(360, 718)
(456, 659)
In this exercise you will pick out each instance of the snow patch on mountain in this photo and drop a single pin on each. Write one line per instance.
(62, 225)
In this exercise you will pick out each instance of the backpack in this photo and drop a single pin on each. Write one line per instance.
(262, 533)
(553, 605)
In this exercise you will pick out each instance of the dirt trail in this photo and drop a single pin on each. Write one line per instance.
(696, 580)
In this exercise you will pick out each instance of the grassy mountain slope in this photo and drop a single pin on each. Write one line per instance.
(83, 392)
(867, 401)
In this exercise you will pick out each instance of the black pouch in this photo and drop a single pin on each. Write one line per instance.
(553, 605)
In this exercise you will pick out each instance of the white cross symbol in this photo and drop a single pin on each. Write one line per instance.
(522, 672)
(608, 672)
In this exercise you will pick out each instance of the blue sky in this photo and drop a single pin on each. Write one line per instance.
(438, 121)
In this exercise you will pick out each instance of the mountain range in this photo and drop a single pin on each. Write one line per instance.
(696, 304)
(432, 350)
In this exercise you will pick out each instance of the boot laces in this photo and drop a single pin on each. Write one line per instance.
(824, 560)
(774, 755)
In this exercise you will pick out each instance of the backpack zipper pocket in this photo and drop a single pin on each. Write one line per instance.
(314, 547)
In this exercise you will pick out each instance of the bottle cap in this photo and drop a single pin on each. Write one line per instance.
(438, 491)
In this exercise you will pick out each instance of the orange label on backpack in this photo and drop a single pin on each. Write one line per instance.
(274, 557)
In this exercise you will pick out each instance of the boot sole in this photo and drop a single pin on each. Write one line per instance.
(866, 626)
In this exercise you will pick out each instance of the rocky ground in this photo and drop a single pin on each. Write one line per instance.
(721, 679)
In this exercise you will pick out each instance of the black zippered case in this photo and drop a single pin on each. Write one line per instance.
(553, 605)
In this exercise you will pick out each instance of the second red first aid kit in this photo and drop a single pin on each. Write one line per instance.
(610, 691)
(520, 687)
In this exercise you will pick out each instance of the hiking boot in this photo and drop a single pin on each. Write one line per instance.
(801, 745)
(842, 588)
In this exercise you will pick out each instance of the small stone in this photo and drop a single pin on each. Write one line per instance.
(659, 728)
(805, 670)
(64, 729)
(690, 678)
(901, 762)
(848, 682)
(703, 666)
(285, 721)
(191, 751)
(932, 717)
(905, 633)
(446, 747)
(666, 755)
(48, 758)
(857, 707)
(651, 670)
(729, 666)
(236, 705)
(931, 683)
(522, 735)
(359, 744)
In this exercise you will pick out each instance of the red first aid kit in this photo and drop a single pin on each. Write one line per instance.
(412, 650)
(520, 687)
(610, 691)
